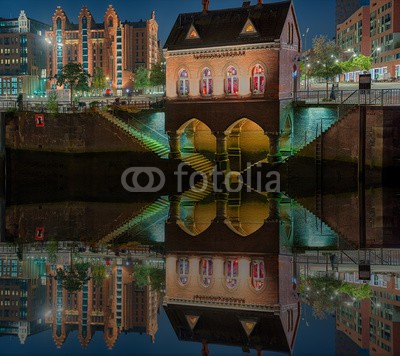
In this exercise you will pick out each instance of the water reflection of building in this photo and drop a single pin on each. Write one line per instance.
(22, 294)
(117, 306)
(232, 281)
(374, 323)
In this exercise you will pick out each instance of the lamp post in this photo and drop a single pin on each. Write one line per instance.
(305, 49)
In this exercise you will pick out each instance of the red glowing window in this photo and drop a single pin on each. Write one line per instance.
(207, 82)
(232, 81)
(232, 271)
(258, 79)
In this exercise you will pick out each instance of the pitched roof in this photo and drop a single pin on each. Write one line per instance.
(224, 27)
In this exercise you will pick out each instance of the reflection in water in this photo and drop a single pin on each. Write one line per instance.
(228, 270)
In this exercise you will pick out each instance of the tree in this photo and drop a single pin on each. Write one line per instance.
(157, 75)
(142, 78)
(324, 60)
(52, 249)
(98, 273)
(98, 81)
(362, 62)
(52, 102)
(75, 77)
(145, 275)
(74, 279)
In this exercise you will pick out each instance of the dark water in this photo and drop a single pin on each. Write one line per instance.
(88, 268)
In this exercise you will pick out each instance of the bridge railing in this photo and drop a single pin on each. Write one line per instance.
(377, 97)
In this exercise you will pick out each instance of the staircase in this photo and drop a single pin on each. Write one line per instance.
(197, 193)
(196, 160)
(144, 140)
(199, 162)
(148, 212)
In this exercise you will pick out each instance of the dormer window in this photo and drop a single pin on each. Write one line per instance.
(192, 34)
(248, 28)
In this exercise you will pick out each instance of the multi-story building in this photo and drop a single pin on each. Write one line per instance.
(116, 47)
(224, 63)
(373, 323)
(116, 305)
(344, 8)
(22, 55)
(374, 31)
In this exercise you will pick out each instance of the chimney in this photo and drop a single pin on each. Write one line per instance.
(246, 3)
(259, 2)
(206, 4)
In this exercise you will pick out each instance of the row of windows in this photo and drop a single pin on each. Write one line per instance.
(257, 82)
(231, 271)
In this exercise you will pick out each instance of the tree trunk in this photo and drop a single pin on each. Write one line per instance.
(327, 89)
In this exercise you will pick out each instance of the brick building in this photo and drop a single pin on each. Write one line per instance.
(374, 31)
(117, 47)
(374, 323)
(22, 55)
(116, 306)
(229, 72)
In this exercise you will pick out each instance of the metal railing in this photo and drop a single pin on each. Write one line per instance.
(375, 97)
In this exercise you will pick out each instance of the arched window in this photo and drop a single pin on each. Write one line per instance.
(232, 81)
(258, 80)
(257, 274)
(232, 271)
(206, 82)
(206, 270)
(183, 269)
(183, 86)
(110, 22)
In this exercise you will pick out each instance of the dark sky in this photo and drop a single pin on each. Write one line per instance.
(318, 15)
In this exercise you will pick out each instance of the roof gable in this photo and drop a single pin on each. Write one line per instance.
(225, 27)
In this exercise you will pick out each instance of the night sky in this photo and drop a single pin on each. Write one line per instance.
(318, 15)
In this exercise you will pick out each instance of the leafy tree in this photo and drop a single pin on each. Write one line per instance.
(142, 78)
(98, 81)
(52, 102)
(74, 279)
(52, 249)
(324, 60)
(324, 294)
(73, 75)
(362, 62)
(158, 76)
(98, 271)
(146, 275)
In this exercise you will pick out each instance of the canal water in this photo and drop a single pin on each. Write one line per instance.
(217, 271)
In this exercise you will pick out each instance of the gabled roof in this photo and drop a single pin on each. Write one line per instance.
(224, 27)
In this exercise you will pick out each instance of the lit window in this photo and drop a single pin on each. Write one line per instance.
(193, 34)
(232, 269)
(258, 80)
(207, 82)
(257, 274)
(183, 83)
(206, 271)
(249, 28)
(183, 266)
(232, 81)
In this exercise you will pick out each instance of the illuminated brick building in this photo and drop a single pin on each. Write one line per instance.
(373, 31)
(116, 306)
(22, 55)
(116, 47)
(231, 72)
(374, 323)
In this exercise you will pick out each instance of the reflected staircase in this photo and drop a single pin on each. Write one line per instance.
(145, 216)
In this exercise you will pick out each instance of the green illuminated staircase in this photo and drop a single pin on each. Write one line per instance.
(197, 193)
(144, 140)
(196, 160)
(199, 162)
(147, 213)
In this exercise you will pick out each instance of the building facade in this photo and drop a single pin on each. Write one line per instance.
(374, 31)
(118, 48)
(22, 56)
(373, 323)
(216, 67)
